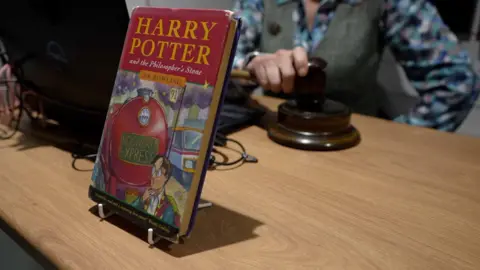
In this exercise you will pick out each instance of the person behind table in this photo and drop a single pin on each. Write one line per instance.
(277, 36)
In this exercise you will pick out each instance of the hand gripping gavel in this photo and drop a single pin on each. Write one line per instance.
(310, 121)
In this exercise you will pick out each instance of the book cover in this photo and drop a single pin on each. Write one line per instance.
(160, 125)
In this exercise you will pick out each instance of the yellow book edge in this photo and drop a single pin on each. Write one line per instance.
(192, 194)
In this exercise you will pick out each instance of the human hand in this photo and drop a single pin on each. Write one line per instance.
(277, 71)
(148, 192)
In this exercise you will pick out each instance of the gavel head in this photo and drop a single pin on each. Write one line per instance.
(310, 89)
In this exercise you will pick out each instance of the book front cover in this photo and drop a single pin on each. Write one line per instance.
(159, 109)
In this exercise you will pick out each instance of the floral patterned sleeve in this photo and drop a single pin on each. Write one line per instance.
(429, 53)
(251, 12)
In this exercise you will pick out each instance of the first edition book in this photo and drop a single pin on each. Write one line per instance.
(160, 126)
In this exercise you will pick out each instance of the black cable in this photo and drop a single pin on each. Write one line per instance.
(213, 163)
(17, 121)
(78, 157)
(17, 71)
(245, 157)
(3, 60)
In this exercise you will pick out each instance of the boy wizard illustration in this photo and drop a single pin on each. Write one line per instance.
(155, 201)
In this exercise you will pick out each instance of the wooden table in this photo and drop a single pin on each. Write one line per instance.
(405, 198)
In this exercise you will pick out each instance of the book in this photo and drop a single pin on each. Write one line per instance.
(160, 125)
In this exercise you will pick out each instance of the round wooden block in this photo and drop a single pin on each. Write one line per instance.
(327, 128)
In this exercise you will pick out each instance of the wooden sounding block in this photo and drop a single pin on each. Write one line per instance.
(310, 121)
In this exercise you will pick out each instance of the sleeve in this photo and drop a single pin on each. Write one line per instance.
(251, 12)
(438, 69)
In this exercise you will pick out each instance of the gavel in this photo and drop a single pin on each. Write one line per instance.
(309, 90)
(310, 121)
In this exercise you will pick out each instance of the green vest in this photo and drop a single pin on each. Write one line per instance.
(352, 47)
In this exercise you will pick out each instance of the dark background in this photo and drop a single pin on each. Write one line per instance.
(457, 14)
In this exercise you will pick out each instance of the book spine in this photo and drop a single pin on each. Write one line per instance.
(212, 138)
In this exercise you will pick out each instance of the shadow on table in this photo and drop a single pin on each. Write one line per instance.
(32, 135)
(23, 142)
(215, 227)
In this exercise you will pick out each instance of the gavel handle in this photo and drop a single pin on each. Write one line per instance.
(316, 63)
(241, 74)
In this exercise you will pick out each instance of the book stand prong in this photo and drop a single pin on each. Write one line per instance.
(101, 212)
(152, 239)
(204, 204)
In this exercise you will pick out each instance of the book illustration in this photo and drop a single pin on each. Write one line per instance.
(155, 133)
(157, 136)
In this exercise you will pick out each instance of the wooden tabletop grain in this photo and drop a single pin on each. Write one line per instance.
(405, 198)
